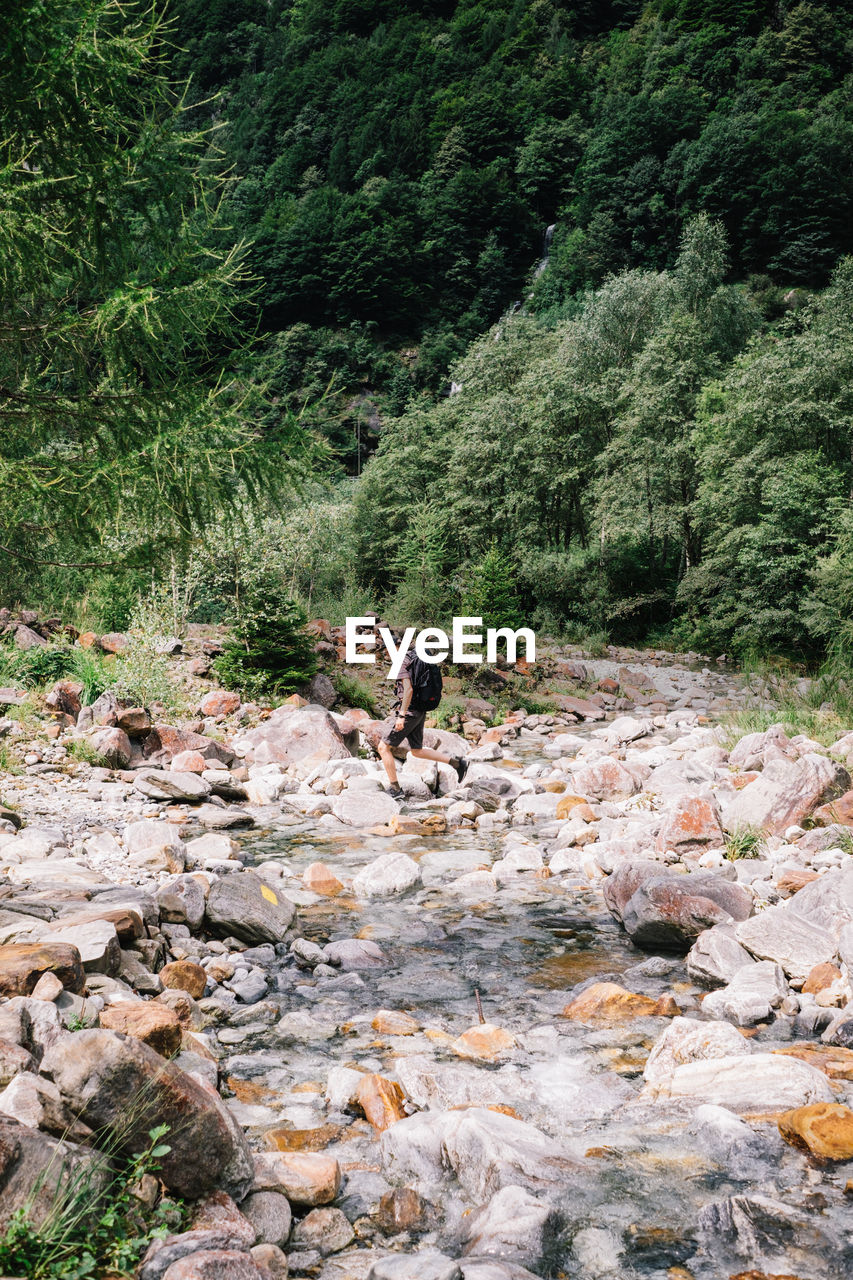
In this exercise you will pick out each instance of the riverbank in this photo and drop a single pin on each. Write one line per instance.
(545, 1022)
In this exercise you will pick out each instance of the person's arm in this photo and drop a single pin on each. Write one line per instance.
(405, 702)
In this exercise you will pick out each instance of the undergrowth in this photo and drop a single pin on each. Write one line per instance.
(354, 692)
(744, 842)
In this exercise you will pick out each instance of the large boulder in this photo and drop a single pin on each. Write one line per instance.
(786, 793)
(388, 874)
(783, 935)
(165, 741)
(686, 1040)
(295, 735)
(662, 909)
(365, 808)
(716, 956)
(158, 785)
(605, 780)
(243, 906)
(756, 1082)
(22, 964)
(751, 997)
(121, 1088)
(33, 1167)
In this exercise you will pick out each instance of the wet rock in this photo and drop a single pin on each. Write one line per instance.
(751, 997)
(391, 1022)
(513, 1225)
(241, 905)
(354, 953)
(756, 1228)
(716, 956)
(388, 874)
(783, 935)
(691, 826)
(101, 1074)
(824, 1129)
(381, 1100)
(184, 975)
(426, 1265)
(786, 793)
(149, 1021)
(725, 1137)
(326, 1230)
(157, 785)
(402, 1209)
(321, 879)
(269, 1213)
(306, 1178)
(488, 1151)
(484, 1043)
(607, 1002)
(758, 1082)
(686, 1040)
(22, 964)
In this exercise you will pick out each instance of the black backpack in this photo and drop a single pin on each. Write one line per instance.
(426, 685)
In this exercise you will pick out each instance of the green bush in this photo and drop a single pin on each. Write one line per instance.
(269, 652)
(354, 692)
(745, 842)
(492, 593)
(96, 1225)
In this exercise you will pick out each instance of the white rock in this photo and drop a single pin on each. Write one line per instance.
(373, 808)
(391, 873)
(758, 1082)
(686, 1040)
(751, 996)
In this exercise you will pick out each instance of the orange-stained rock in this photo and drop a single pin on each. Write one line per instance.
(404, 824)
(390, 1022)
(114, 642)
(691, 827)
(219, 702)
(135, 721)
(148, 1021)
(295, 700)
(608, 1002)
(87, 640)
(381, 1100)
(556, 787)
(825, 1129)
(280, 1139)
(840, 810)
(741, 780)
(567, 803)
(794, 879)
(189, 762)
(23, 963)
(833, 1060)
(402, 1210)
(485, 1042)
(821, 977)
(184, 975)
(305, 1177)
(321, 879)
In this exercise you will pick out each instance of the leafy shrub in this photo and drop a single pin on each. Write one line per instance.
(354, 692)
(269, 652)
(96, 1225)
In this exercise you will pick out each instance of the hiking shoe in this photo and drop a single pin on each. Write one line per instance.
(396, 792)
(460, 765)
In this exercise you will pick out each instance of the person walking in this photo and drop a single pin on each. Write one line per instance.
(418, 691)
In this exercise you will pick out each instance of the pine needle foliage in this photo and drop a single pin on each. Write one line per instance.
(122, 405)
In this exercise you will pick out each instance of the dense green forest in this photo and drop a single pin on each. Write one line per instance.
(397, 301)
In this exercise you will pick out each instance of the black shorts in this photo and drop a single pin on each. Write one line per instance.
(413, 730)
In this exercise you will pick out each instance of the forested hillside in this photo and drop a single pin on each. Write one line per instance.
(618, 232)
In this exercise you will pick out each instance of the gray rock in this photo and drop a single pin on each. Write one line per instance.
(783, 935)
(513, 1225)
(163, 1253)
(159, 785)
(354, 953)
(269, 1213)
(786, 792)
(751, 996)
(759, 1230)
(660, 909)
(426, 1265)
(181, 901)
(97, 942)
(716, 956)
(388, 874)
(754, 1082)
(326, 1230)
(103, 1076)
(291, 735)
(364, 808)
(243, 906)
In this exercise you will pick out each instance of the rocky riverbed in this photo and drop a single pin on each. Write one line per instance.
(536, 1024)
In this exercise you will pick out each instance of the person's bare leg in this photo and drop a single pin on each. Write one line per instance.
(427, 753)
(388, 761)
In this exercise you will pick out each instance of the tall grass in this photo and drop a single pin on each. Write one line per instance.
(820, 706)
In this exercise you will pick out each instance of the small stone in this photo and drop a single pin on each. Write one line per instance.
(326, 1230)
(825, 1129)
(402, 1210)
(270, 1260)
(390, 1022)
(485, 1042)
(184, 975)
(820, 977)
(306, 1178)
(148, 1021)
(607, 1002)
(219, 702)
(269, 1213)
(321, 879)
(381, 1100)
(47, 988)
